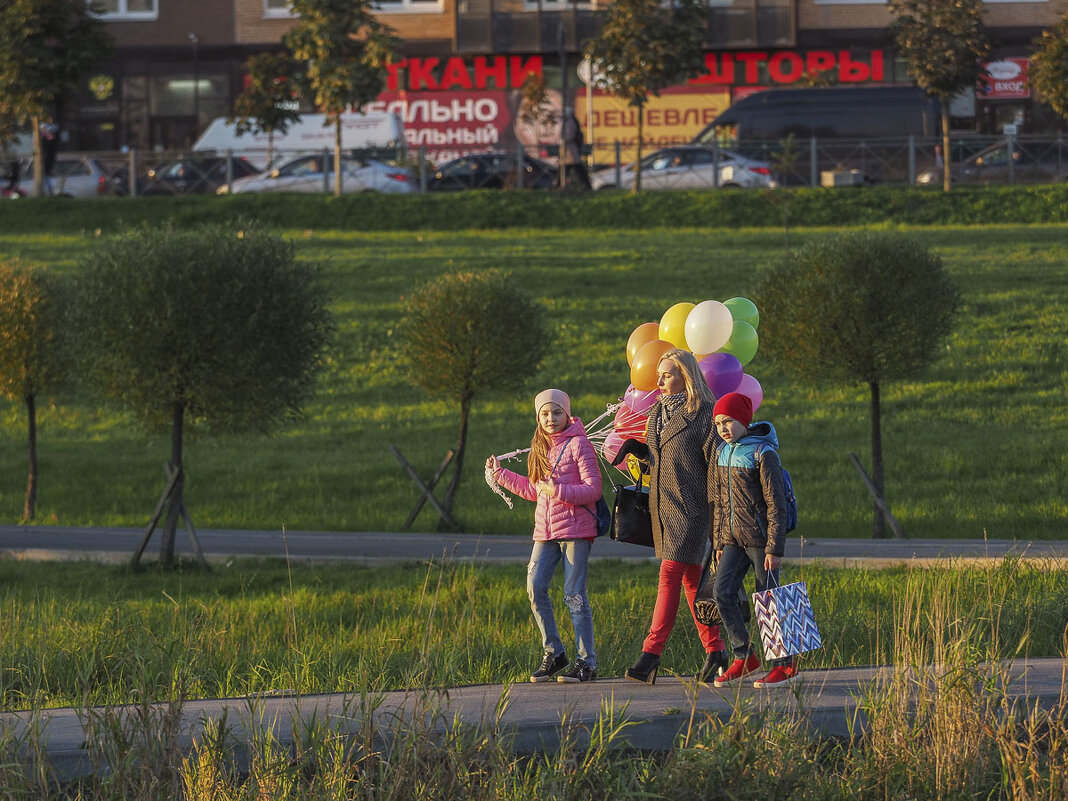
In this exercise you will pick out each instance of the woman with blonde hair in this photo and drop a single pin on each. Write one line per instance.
(680, 442)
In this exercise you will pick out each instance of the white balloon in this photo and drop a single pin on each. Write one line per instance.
(708, 326)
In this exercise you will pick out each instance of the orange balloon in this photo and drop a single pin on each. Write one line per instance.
(646, 332)
(643, 371)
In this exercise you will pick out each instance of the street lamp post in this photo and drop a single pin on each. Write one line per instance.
(196, 83)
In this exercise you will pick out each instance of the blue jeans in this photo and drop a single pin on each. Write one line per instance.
(575, 555)
(734, 563)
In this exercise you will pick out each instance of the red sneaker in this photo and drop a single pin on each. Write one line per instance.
(778, 676)
(738, 671)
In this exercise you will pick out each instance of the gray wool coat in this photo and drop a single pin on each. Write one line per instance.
(678, 483)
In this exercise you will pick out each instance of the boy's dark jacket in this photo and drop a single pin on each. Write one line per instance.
(745, 489)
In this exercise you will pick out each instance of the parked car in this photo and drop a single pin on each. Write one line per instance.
(491, 171)
(1032, 162)
(310, 174)
(73, 176)
(189, 176)
(689, 167)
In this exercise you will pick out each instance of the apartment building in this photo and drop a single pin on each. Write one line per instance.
(179, 63)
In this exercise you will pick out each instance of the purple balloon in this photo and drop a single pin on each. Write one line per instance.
(751, 387)
(722, 372)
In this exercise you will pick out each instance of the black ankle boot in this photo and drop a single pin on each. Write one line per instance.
(715, 663)
(645, 668)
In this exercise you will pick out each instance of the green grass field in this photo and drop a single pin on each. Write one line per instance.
(86, 634)
(975, 446)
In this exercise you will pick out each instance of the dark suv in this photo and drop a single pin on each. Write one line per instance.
(193, 176)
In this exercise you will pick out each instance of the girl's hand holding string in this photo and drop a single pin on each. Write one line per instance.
(546, 487)
(493, 464)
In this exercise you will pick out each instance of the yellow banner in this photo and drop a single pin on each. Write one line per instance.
(676, 117)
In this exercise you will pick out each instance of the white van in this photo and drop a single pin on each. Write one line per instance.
(311, 133)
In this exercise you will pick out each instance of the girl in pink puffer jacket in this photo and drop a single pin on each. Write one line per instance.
(564, 480)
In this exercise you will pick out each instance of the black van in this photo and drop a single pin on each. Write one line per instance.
(839, 112)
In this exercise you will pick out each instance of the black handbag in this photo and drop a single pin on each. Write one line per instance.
(630, 518)
(704, 602)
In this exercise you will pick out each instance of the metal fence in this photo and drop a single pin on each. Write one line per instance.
(803, 162)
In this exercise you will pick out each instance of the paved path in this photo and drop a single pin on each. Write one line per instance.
(118, 544)
(532, 714)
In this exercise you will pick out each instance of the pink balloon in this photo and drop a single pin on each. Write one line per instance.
(639, 400)
(722, 372)
(751, 387)
(612, 443)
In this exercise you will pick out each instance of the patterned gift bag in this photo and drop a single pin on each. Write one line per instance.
(784, 617)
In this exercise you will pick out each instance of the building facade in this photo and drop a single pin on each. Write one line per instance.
(179, 63)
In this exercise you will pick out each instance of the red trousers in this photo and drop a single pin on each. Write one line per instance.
(674, 577)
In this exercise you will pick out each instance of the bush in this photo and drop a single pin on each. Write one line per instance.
(484, 210)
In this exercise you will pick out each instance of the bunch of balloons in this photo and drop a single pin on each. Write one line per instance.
(723, 337)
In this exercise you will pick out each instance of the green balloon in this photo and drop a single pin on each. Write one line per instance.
(743, 309)
(743, 342)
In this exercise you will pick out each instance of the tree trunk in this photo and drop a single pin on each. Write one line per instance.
(945, 144)
(638, 158)
(337, 157)
(174, 511)
(878, 526)
(38, 155)
(458, 462)
(30, 509)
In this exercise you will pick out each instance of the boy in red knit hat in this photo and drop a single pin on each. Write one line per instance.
(745, 486)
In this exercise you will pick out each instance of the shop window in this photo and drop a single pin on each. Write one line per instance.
(128, 9)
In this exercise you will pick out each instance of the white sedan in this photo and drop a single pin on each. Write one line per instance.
(689, 167)
(310, 174)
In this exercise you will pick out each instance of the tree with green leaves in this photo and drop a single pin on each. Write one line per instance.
(207, 326)
(345, 49)
(645, 46)
(46, 48)
(867, 307)
(467, 335)
(33, 358)
(268, 104)
(1049, 67)
(942, 42)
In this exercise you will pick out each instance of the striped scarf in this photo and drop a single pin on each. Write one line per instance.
(668, 405)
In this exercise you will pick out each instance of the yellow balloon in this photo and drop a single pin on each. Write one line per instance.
(673, 324)
(634, 467)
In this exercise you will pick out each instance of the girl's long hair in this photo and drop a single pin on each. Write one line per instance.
(538, 457)
(697, 391)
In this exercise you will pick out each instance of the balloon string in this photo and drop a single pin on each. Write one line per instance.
(493, 485)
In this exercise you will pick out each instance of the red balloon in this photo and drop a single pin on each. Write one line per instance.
(630, 424)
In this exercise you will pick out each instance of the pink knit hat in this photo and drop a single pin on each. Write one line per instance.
(557, 396)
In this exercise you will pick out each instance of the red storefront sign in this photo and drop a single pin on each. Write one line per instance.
(733, 68)
(453, 105)
(1005, 80)
(450, 123)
